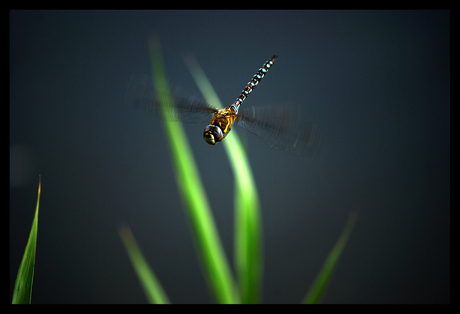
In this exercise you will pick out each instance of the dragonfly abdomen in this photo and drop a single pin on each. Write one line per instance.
(253, 82)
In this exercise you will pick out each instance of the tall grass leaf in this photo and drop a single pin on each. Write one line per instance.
(152, 287)
(210, 251)
(248, 223)
(22, 293)
(316, 292)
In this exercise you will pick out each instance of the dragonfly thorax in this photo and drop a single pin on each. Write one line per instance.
(220, 125)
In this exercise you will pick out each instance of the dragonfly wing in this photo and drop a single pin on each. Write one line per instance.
(140, 95)
(281, 127)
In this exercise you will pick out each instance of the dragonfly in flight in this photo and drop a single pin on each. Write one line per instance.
(282, 127)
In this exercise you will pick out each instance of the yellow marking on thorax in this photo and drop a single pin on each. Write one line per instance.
(224, 120)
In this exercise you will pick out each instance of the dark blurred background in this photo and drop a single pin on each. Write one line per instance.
(377, 82)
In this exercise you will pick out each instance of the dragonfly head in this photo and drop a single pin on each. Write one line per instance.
(212, 134)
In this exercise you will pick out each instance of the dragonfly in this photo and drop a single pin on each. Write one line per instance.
(282, 127)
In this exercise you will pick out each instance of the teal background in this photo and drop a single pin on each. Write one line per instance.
(376, 82)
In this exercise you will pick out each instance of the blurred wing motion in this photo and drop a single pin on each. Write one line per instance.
(140, 95)
(283, 128)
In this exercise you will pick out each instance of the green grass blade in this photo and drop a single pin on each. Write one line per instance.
(209, 247)
(318, 288)
(152, 287)
(248, 225)
(22, 293)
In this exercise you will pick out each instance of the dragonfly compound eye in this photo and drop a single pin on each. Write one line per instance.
(212, 134)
